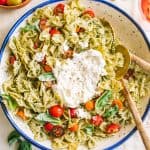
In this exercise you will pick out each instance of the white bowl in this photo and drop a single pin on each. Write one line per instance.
(128, 32)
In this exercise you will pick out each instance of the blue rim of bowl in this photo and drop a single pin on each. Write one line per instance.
(7, 39)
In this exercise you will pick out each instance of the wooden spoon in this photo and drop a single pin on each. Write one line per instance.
(136, 116)
(128, 57)
(146, 67)
(143, 64)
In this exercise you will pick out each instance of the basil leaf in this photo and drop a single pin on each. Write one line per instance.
(24, 145)
(36, 23)
(47, 77)
(12, 104)
(89, 129)
(44, 117)
(13, 137)
(111, 112)
(29, 27)
(12, 141)
(103, 100)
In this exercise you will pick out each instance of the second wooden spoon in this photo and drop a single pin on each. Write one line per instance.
(119, 75)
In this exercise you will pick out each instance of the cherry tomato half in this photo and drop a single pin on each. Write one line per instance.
(44, 61)
(57, 131)
(97, 120)
(54, 31)
(48, 127)
(56, 111)
(59, 9)
(89, 12)
(90, 105)
(73, 112)
(68, 54)
(36, 45)
(118, 103)
(12, 59)
(42, 24)
(130, 74)
(80, 29)
(112, 128)
(47, 68)
(74, 127)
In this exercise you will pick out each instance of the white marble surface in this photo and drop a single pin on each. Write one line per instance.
(9, 17)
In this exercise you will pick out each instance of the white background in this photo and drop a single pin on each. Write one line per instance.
(9, 17)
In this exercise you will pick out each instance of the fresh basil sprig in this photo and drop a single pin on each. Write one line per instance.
(14, 137)
(29, 27)
(12, 104)
(44, 117)
(103, 100)
(25, 145)
(111, 112)
(47, 77)
(89, 129)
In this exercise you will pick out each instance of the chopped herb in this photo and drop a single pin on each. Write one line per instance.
(111, 112)
(44, 117)
(89, 129)
(47, 77)
(29, 27)
(103, 100)
(12, 104)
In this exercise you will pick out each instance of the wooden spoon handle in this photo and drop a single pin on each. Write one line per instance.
(142, 63)
(136, 117)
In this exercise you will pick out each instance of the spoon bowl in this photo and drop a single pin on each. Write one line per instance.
(121, 71)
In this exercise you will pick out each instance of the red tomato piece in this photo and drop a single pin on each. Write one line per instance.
(59, 9)
(48, 127)
(90, 105)
(43, 21)
(74, 127)
(56, 111)
(54, 31)
(130, 74)
(79, 29)
(68, 54)
(112, 128)
(97, 120)
(3, 2)
(21, 114)
(73, 112)
(12, 59)
(145, 4)
(42, 24)
(47, 68)
(44, 61)
(118, 103)
(89, 12)
(36, 45)
(57, 131)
